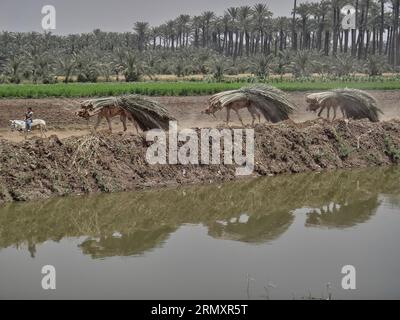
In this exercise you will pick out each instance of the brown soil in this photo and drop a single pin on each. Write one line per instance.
(40, 168)
(61, 120)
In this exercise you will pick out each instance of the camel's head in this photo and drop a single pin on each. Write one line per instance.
(211, 109)
(313, 104)
(83, 114)
(86, 107)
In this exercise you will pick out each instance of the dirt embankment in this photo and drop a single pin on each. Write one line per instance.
(41, 168)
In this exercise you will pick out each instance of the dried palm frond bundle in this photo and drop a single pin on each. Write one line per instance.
(273, 103)
(147, 113)
(354, 104)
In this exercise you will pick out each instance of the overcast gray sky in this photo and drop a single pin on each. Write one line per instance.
(76, 16)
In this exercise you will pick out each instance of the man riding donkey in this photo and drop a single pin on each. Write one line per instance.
(29, 119)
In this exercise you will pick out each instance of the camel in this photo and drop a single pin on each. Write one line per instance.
(354, 104)
(144, 113)
(314, 106)
(236, 106)
(108, 113)
(259, 100)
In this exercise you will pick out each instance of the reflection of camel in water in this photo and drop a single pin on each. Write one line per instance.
(144, 223)
(136, 243)
(343, 215)
(257, 229)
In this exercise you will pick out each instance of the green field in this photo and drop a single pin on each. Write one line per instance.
(173, 88)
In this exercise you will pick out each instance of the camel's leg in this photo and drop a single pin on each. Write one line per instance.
(240, 118)
(334, 113)
(136, 126)
(109, 123)
(99, 117)
(343, 114)
(134, 123)
(123, 120)
(252, 111)
(228, 115)
(320, 111)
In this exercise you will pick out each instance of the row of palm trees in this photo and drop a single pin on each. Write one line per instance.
(249, 30)
(125, 64)
(243, 40)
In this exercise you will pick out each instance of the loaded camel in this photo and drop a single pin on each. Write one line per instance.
(144, 113)
(353, 104)
(271, 102)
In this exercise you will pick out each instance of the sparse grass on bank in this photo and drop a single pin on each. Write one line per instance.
(175, 88)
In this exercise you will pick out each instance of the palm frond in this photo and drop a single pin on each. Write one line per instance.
(147, 113)
(356, 104)
(270, 101)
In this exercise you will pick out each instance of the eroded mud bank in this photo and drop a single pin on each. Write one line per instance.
(42, 168)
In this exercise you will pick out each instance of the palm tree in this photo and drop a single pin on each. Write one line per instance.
(196, 26)
(374, 65)
(67, 66)
(343, 65)
(218, 68)
(304, 11)
(133, 66)
(183, 30)
(261, 66)
(244, 23)
(261, 14)
(395, 48)
(232, 13)
(2, 64)
(16, 66)
(141, 29)
(294, 31)
(382, 25)
(302, 63)
(41, 67)
(207, 17)
(170, 29)
(86, 67)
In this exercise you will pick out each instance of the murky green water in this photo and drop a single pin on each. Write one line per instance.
(292, 232)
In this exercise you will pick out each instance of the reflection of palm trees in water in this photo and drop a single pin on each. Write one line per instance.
(146, 219)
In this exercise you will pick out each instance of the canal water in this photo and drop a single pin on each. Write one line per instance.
(285, 237)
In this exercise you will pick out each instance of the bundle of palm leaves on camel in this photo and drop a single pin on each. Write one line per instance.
(354, 104)
(142, 112)
(271, 102)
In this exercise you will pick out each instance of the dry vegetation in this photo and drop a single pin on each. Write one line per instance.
(41, 168)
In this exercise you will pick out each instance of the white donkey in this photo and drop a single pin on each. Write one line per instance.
(20, 125)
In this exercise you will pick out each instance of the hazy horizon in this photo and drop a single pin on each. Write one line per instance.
(119, 16)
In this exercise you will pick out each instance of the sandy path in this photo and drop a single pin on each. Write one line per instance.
(60, 117)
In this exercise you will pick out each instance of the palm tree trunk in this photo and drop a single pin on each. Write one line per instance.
(382, 29)
(395, 38)
(294, 33)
